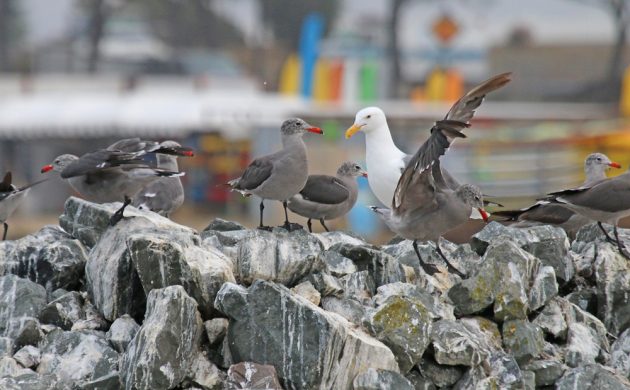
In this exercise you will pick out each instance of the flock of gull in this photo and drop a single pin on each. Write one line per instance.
(425, 200)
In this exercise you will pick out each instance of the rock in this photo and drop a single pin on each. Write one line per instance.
(6, 347)
(612, 274)
(122, 331)
(160, 263)
(404, 325)
(619, 355)
(462, 343)
(543, 288)
(529, 380)
(249, 375)
(9, 367)
(523, 340)
(582, 345)
(591, 376)
(49, 257)
(93, 319)
(64, 311)
(349, 309)
(277, 256)
(205, 374)
(437, 308)
(335, 264)
(382, 267)
(216, 329)
(325, 284)
(505, 369)
(76, 358)
(419, 382)
(585, 299)
(551, 320)
(309, 347)
(329, 239)
(28, 356)
(440, 375)
(308, 292)
(358, 286)
(19, 298)
(110, 381)
(28, 380)
(23, 331)
(162, 350)
(378, 379)
(222, 225)
(546, 372)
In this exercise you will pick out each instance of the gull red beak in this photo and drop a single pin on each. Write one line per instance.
(315, 130)
(364, 174)
(484, 215)
(614, 165)
(46, 168)
(189, 153)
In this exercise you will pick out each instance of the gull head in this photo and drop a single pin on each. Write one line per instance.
(298, 126)
(599, 162)
(367, 120)
(351, 169)
(473, 197)
(59, 163)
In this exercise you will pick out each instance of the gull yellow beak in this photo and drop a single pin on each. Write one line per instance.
(351, 130)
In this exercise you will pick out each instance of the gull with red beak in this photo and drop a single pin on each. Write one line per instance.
(423, 206)
(544, 212)
(328, 197)
(280, 175)
(10, 198)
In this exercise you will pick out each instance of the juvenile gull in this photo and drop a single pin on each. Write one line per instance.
(108, 175)
(328, 197)
(10, 198)
(544, 212)
(423, 206)
(385, 161)
(280, 175)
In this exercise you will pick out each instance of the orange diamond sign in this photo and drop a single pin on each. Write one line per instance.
(445, 29)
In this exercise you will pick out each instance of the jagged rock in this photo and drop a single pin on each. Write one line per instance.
(162, 350)
(122, 331)
(222, 225)
(6, 347)
(249, 375)
(23, 331)
(437, 308)
(440, 375)
(277, 256)
(378, 379)
(349, 309)
(591, 376)
(465, 343)
(619, 355)
(524, 340)
(358, 286)
(612, 274)
(505, 368)
(64, 311)
(471, 378)
(335, 264)
(404, 325)
(546, 372)
(110, 381)
(160, 262)
(28, 356)
(325, 284)
(28, 380)
(582, 345)
(551, 320)
(204, 374)
(548, 243)
(76, 358)
(93, 319)
(419, 382)
(585, 299)
(50, 257)
(382, 267)
(329, 239)
(19, 298)
(308, 292)
(9, 367)
(216, 329)
(543, 288)
(56, 294)
(308, 346)
(529, 380)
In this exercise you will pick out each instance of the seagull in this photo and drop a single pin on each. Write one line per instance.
(424, 206)
(280, 175)
(386, 162)
(606, 201)
(328, 197)
(107, 175)
(10, 198)
(544, 212)
(165, 194)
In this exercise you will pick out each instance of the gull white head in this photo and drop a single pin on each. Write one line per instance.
(599, 161)
(367, 120)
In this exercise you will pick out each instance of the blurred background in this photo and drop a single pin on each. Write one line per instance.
(221, 76)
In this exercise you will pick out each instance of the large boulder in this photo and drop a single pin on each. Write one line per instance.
(612, 275)
(19, 298)
(382, 267)
(309, 347)
(160, 354)
(591, 376)
(376, 379)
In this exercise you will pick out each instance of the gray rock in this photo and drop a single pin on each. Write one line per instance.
(543, 288)
(524, 340)
(216, 329)
(552, 320)
(505, 368)
(335, 264)
(419, 382)
(582, 345)
(161, 262)
(6, 347)
(222, 225)
(620, 354)
(440, 375)
(349, 309)
(404, 325)
(19, 298)
(529, 380)
(585, 299)
(359, 286)
(309, 347)
(308, 292)
(50, 257)
(162, 350)
(28, 380)
(76, 358)
(327, 285)
(110, 381)
(249, 375)
(463, 342)
(382, 267)
(378, 379)
(122, 331)
(64, 311)
(612, 274)
(9, 367)
(24, 331)
(58, 293)
(329, 239)
(277, 256)
(93, 319)
(437, 308)
(547, 372)
(204, 374)
(591, 376)
(28, 356)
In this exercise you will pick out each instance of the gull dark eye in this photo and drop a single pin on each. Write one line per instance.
(369, 116)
